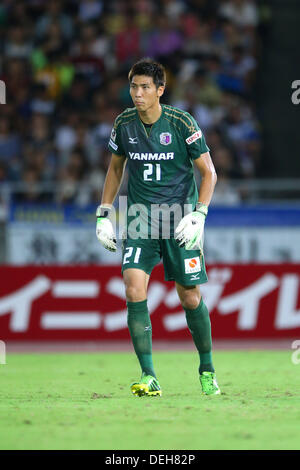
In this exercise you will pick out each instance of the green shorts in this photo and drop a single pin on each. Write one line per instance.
(187, 267)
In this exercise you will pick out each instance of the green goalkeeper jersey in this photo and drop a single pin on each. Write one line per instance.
(160, 161)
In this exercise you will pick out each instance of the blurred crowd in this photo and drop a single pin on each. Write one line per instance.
(65, 65)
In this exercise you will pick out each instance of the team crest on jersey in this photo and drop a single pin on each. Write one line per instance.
(165, 138)
(192, 265)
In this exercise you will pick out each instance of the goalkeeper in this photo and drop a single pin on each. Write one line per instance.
(161, 145)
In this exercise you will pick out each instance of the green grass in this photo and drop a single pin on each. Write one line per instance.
(82, 401)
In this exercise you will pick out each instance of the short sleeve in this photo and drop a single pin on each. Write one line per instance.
(194, 138)
(115, 144)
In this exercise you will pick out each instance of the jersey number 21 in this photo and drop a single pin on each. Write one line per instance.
(149, 172)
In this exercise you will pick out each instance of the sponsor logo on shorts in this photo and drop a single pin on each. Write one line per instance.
(197, 135)
(192, 265)
(165, 138)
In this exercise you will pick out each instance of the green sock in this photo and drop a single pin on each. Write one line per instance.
(198, 322)
(139, 325)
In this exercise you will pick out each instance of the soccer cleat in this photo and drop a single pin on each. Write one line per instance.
(209, 384)
(148, 386)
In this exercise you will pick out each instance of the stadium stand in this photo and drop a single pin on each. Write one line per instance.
(65, 65)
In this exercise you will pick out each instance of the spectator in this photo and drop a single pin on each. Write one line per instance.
(17, 12)
(101, 133)
(54, 14)
(199, 89)
(97, 177)
(241, 12)
(4, 175)
(226, 36)
(45, 164)
(23, 107)
(65, 136)
(238, 71)
(76, 98)
(41, 102)
(31, 191)
(173, 9)
(225, 163)
(164, 40)
(242, 130)
(89, 10)
(84, 141)
(87, 64)
(54, 40)
(17, 44)
(225, 193)
(128, 47)
(16, 75)
(98, 42)
(39, 132)
(200, 44)
(71, 177)
(10, 147)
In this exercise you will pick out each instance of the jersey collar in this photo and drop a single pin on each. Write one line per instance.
(154, 124)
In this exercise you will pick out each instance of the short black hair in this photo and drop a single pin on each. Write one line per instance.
(150, 68)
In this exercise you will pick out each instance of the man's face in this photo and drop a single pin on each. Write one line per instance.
(144, 93)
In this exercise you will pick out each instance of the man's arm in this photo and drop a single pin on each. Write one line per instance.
(189, 231)
(113, 179)
(104, 228)
(209, 178)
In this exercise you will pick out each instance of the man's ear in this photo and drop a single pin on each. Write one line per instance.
(160, 90)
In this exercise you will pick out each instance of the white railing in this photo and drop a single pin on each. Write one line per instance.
(248, 191)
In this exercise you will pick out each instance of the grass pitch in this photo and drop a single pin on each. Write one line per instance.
(83, 401)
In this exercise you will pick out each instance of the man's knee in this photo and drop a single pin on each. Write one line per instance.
(190, 298)
(135, 293)
(136, 283)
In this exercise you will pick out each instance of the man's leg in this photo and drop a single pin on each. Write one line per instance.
(138, 319)
(187, 269)
(139, 324)
(139, 258)
(198, 321)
